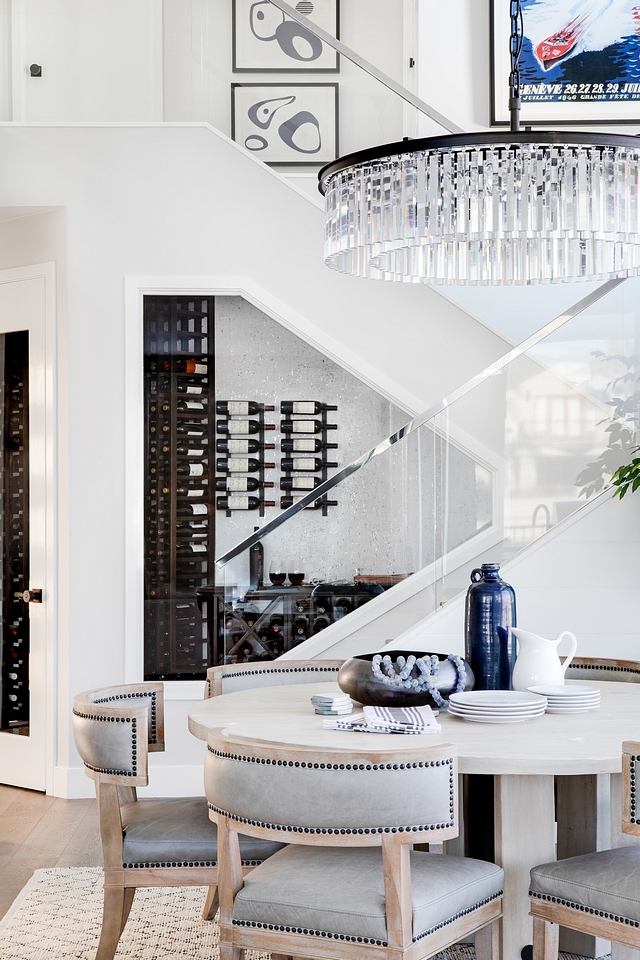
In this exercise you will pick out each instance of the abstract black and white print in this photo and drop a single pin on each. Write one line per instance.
(266, 40)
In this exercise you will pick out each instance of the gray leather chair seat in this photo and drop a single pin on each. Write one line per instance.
(607, 882)
(341, 890)
(178, 832)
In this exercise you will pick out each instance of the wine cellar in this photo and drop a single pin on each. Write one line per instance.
(219, 458)
(14, 490)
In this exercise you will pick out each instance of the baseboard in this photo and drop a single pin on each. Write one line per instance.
(186, 781)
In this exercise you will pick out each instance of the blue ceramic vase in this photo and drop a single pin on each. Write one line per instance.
(489, 644)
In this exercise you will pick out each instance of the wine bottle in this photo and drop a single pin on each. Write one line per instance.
(240, 484)
(242, 427)
(242, 465)
(190, 492)
(240, 408)
(300, 629)
(243, 446)
(305, 445)
(239, 501)
(190, 388)
(304, 406)
(192, 551)
(308, 464)
(191, 469)
(320, 623)
(299, 483)
(186, 366)
(191, 430)
(194, 509)
(306, 426)
(195, 451)
(316, 505)
(256, 564)
(191, 406)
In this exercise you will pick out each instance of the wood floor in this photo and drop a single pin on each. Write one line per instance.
(39, 831)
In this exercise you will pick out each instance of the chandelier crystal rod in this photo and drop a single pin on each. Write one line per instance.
(367, 67)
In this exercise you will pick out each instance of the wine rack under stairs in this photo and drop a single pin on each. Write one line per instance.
(305, 444)
(179, 494)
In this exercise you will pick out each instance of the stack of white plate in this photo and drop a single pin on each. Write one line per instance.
(497, 706)
(570, 699)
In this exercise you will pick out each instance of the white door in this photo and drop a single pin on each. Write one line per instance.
(27, 449)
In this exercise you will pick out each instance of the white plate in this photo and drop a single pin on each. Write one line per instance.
(495, 698)
(496, 712)
(532, 711)
(501, 719)
(572, 704)
(572, 709)
(559, 690)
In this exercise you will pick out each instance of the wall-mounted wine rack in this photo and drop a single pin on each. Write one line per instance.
(241, 438)
(179, 504)
(305, 444)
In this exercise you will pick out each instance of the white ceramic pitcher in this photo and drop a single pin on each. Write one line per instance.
(538, 661)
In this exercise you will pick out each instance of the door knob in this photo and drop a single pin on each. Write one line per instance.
(32, 596)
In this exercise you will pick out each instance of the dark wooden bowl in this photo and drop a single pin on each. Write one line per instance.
(356, 678)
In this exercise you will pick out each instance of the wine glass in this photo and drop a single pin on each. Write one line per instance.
(296, 573)
(277, 573)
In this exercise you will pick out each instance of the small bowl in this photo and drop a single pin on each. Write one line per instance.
(356, 678)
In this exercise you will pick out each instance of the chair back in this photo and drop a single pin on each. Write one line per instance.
(354, 798)
(599, 668)
(116, 727)
(232, 677)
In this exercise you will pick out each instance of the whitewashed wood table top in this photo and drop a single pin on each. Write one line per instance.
(578, 743)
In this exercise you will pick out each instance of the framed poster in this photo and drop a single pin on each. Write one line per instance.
(266, 40)
(579, 62)
(290, 123)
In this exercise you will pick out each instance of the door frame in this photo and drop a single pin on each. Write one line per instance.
(49, 581)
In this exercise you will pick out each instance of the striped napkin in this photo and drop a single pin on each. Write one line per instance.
(388, 720)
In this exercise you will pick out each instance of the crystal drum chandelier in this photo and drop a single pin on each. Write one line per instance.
(506, 207)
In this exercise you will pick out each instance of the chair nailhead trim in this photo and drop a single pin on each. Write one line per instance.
(600, 666)
(584, 909)
(232, 675)
(285, 828)
(134, 755)
(633, 815)
(312, 933)
(185, 863)
(129, 696)
(413, 828)
(457, 916)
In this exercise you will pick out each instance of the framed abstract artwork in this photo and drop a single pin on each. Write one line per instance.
(266, 40)
(286, 123)
(580, 62)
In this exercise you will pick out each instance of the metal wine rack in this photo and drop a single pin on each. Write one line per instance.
(14, 490)
(179, 509)
(258, 455)
(324, 455)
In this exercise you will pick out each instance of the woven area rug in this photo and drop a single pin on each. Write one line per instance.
(57, 916)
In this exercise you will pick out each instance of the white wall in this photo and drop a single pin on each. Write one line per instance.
(172, 202)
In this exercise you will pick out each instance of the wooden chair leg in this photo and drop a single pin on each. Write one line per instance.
(129, 894)
(112, 914)
(487, 942)
(545, 939)
(227, 952)
(211, 904)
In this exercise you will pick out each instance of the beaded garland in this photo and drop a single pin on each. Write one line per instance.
(427, 666)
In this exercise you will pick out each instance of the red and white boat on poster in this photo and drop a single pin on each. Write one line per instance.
(561, 29)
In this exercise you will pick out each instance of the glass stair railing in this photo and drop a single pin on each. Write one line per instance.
(479, 477)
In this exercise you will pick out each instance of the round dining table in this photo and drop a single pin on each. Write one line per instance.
(523, 757)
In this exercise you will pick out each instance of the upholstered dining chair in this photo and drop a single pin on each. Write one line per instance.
(231, 677)
(348, 885)
(145, 843)
(599, 668)
(596, 893)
